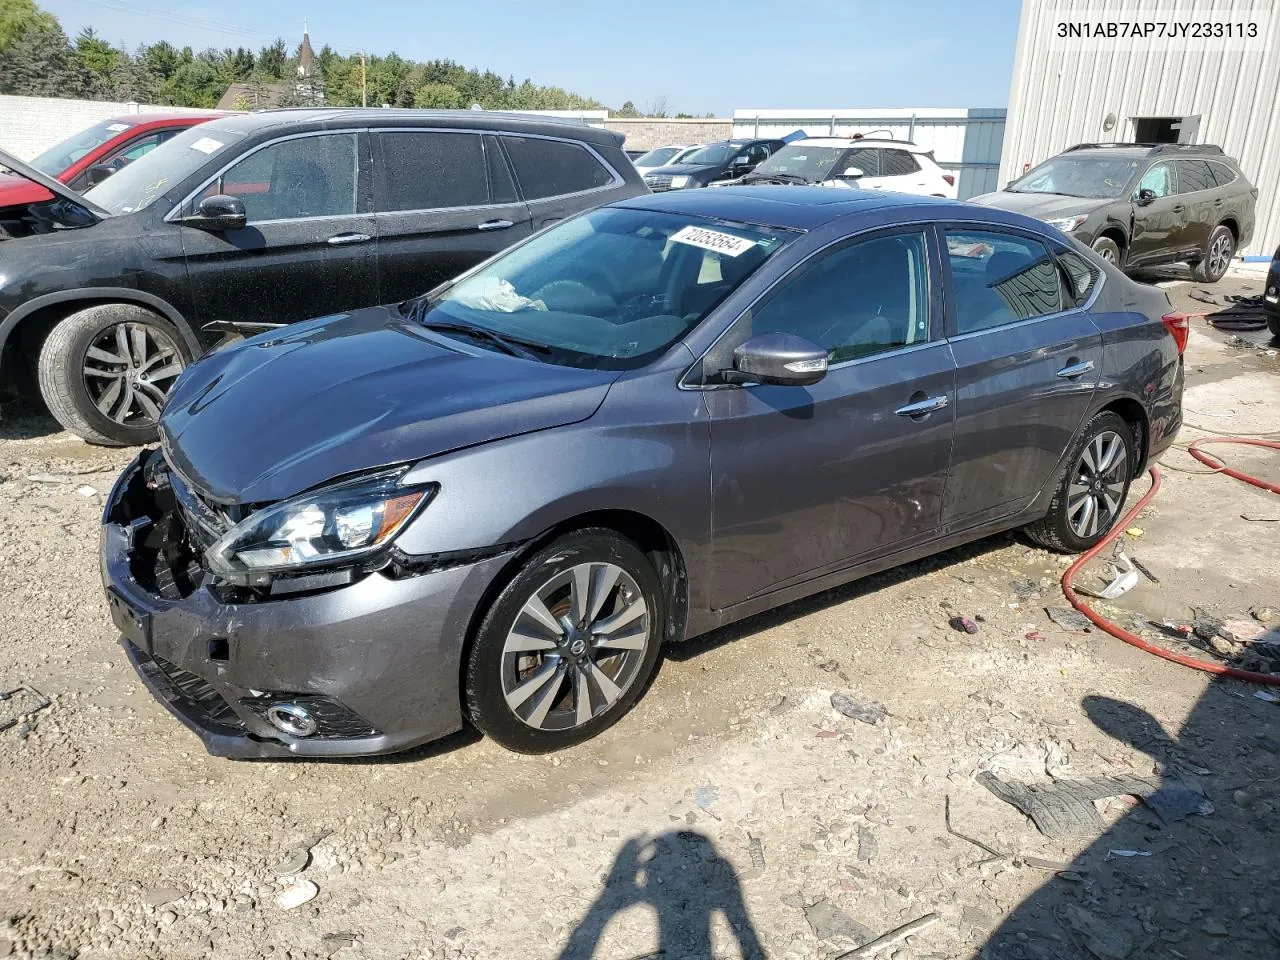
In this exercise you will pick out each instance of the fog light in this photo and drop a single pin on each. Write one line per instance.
(291, 719)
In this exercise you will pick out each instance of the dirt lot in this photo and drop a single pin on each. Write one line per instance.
(734, 813)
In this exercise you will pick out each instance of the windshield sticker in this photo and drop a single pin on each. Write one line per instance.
(207, 145)
(725, 243)
(117, 127)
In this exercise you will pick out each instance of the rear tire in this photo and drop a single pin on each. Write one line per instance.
(106, 370)
(533, 684)
(1218, 251)
(1092, 487)
(1108, 250)
(1273, 324)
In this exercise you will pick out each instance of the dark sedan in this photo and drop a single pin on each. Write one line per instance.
(716, 161)
(494, 503)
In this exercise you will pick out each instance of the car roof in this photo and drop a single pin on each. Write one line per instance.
(319, 118)
(801, 208)
(860, 142)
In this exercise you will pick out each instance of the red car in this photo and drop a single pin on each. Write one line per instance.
(111, 144)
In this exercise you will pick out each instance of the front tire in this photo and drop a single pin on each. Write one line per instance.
(1092, 489)
(105, 371)
(567, 647)
(1218, 252)
(1108, 250)
(1273, 324)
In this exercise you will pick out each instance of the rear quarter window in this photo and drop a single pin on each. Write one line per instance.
(1222, 174)
(1082, 275)
(550, 168)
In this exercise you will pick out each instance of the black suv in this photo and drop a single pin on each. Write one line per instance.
(255, 221)
(1142, 204)
(715, 161)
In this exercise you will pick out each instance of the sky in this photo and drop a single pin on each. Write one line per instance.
(700, 55)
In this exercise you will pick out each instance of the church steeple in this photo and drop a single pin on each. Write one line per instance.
(306, 56)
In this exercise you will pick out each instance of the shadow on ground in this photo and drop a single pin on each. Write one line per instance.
(22, 420)
(681, 877)
(1198, 887)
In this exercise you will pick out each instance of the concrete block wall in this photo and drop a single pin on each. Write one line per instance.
(646, 133)
(31, 125)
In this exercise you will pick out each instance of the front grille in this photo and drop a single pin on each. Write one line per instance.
(204, 521)
(191, 695)
(658, 183)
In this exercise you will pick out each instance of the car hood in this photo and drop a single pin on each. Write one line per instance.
(1042, 206)
(16, 191)
(285, 411)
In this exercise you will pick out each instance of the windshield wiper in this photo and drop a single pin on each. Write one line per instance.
(776, 177)
(507, 345)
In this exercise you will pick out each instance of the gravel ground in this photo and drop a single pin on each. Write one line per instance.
(734, 813)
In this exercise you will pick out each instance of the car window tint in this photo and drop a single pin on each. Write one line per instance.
(427, 170)
(1081, 274)
(897, 163)
(291, 179)
(865, 298)
(1159, 179)
(758, 153)
(549, 168)
(136, 149)
(865, 159)
(1222, 174)
(1194, 175)
(1000, 278)
(502, 188)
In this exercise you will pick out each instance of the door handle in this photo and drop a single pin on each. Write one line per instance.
(921, 408)
(342, 239)
(1073, 370)
(1179, 208)
(495, 225)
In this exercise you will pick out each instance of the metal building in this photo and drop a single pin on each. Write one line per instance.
(965, 142)
(1072, 85)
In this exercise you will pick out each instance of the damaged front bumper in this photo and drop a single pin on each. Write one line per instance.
(373, 665)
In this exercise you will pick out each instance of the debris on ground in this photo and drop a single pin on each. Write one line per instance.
(1065, 808)
(1046, 757)
(1124, 577)
(1134, 532)
(19, 703)
(829, 922)
(868, 846)
(163, 896)
(1105, 939)
(302, 891)
(1069, 619)
(294, 862)
(963, 625)
(1111, 854)
(890, 939)
(868, 712)
(756, 852)
(1267, 695)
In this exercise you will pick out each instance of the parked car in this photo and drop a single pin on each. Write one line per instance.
(84, 160)
(1139, 205)
(659, 157)
(264, 219)
(1271, 295)
(854, 162)
(714, 161)
(495, 503)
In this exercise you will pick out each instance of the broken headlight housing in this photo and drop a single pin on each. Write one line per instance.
(342, 526)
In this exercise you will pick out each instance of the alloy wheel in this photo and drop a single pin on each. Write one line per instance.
(128, 371)
(575, 647)
(1219, 255)
(1107, 254)
(1093, 498)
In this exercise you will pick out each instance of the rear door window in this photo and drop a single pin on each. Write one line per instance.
(1000, 278)
(897, 163)
(552, 168)
(430, 170)
(865, 159)
(1194, 175)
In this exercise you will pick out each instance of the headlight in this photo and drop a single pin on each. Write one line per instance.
(678, 182)
(340, 525)
(1067, 224)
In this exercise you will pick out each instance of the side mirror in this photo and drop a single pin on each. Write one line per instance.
(853, 173)
(97, 173)
(1145, 196)
(218, 212)
(782, 359)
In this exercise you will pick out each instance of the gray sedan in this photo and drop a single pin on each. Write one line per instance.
(496, 502)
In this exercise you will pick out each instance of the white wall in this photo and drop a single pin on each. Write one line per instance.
(964, 141)
(31, 125)
(1064, 94)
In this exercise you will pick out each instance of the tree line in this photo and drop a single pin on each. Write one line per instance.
(38, 59)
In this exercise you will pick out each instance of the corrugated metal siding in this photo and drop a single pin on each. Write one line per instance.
(1061, 97)
(966, 142)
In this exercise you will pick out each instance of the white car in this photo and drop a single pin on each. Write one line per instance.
(856, 162)
(663, 156)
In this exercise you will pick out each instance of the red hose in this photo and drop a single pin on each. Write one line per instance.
(1211, 461)
(1133, 639)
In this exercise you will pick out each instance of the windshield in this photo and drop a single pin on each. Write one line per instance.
(715, 153)
(610, 289)
(57, 159)
(155, 173)
(813, 163)
(1078, 176)
(656, 158)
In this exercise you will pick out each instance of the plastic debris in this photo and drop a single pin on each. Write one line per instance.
(1111, 854)
(829, 922)
(1135, 532)
(1069, 619)
(869, 712)
(963, 624)
(87, 491)
(20, 703)
(1174, 802)
(1124, 577)
(890, 939)
(1260, 518)
(756, 849)
(303, 891)
(294, 862)
(1266, 695)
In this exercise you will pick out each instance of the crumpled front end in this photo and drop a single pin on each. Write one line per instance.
(365, 667)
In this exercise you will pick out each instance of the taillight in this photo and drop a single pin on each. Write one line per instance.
(950, 178)
(1179, 327)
